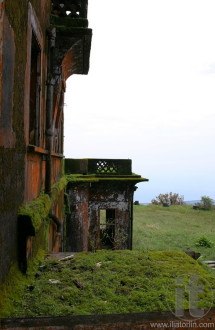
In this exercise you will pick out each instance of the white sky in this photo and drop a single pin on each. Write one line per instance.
(150, 94)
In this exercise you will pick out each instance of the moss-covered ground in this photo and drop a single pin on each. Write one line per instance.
(119, 281)
(110, 282)
(15, 284)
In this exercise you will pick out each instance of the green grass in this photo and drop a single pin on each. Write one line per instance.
(113, 282)
(173, 228)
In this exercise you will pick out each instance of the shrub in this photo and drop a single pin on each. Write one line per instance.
(155, 202)
(175, 199)
(203, 241)
(206, 203)
(170, 199)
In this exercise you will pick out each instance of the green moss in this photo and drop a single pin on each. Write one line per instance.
(113, 282)
(46, 234)
(66, 204)
(124, 179)
(97, 178)
(81, 178)
(58, 187)
(13, 287)
(37, 210)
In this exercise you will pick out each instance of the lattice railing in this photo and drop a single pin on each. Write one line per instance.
(70, 8)
(106, 167)
(109, 166)
(98, 166)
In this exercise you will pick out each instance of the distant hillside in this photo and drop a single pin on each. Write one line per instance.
(192, 202)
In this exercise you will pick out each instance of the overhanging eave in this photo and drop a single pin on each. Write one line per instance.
(72, 50)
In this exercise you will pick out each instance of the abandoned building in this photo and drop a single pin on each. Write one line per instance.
(42, 43)
(100, 196)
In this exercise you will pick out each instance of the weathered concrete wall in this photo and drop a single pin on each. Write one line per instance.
(77, 220)
(7, 137)
(11, 160)
(83, 223)
(144, 321)
(11, 195)
(56, 168)
(56, 235)
(14, 115)
(36, 171)
(110, 195)
(35, 175)
(2, 5)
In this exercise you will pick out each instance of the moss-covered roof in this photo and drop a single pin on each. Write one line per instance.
(98, 178)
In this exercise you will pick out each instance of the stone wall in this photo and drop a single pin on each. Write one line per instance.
(86, 200)
(144, 321)
(14, 117)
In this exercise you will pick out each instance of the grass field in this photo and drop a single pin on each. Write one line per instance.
(173, 228)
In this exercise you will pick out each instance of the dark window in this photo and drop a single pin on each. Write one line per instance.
(35, 87)
(107, 229)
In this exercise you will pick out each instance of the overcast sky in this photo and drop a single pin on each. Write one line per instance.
(150, 94)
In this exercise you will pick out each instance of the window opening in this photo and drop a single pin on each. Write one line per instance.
(35, 87)
(107, 228)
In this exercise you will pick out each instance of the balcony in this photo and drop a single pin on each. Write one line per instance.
(71, 13)
(73, 37)
(70, 8)
(99, 167)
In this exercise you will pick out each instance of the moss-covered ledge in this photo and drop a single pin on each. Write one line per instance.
(37, 210)
(57, 188)
(34, 220)
(134, 178)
